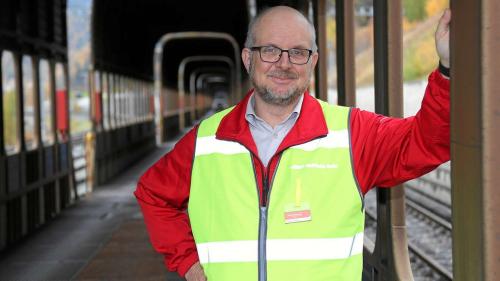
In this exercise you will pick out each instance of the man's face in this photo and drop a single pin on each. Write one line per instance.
(280, 83)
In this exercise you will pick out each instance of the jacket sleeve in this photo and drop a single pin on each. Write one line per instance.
(163, 193)
(388, 151)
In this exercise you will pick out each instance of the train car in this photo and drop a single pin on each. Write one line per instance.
(159, 67)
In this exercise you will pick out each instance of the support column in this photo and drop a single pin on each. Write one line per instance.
(321, 71)
(391, 246)
(474, 139)
(346, 71)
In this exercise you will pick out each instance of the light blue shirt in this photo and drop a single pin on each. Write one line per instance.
(267, 138)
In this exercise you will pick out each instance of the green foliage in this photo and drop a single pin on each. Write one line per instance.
(414, 10)
(10, 121)
(78, 126)
(420, 57)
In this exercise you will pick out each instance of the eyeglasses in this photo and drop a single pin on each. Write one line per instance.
(273, 54)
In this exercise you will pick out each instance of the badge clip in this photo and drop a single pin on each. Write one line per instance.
(298, 211)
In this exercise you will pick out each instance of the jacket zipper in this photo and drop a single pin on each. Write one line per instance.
(263, 208)
(266, 194)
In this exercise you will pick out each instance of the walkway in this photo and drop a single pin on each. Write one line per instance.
(101, 237)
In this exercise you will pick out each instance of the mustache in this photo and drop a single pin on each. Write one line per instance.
(283, 74)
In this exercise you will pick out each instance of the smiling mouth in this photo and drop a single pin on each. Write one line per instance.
(281, 79)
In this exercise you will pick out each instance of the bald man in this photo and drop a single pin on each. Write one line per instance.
(272, 189)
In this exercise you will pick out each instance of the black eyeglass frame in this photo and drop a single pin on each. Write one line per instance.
(259, 48)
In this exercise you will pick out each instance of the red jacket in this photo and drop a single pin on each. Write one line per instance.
(386, 152)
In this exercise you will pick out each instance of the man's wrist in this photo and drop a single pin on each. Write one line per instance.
(187, 263)
(444, 70)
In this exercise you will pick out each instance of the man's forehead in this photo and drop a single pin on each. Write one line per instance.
(281, 24)
(283, 17)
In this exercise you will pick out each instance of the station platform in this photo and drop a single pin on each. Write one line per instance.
(101, 237)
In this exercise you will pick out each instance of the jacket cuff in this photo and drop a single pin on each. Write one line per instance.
(186, 264)
(440, 80)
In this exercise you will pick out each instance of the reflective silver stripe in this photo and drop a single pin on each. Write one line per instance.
(314, 166)
(334, 139)
(210, 145)
(282, 249)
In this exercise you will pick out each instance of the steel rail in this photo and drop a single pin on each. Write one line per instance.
(429, 214)
(427, 259)
(412, 187)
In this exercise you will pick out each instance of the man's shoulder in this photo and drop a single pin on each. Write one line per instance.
(209, 125)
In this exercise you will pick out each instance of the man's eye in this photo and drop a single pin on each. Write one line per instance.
(269, 50)
(296, 52)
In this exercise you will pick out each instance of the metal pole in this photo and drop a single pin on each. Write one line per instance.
(391, 247)
(474, 139)
(321, 72)
(346, 86)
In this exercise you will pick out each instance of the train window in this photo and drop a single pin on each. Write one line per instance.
(135, 101)
(126, 101)
(60, 78)
(118, 100)
(10, 104)
(126, 96)
(112, 104)
(151, 102)
(146, 101)
(46, 104)
(30, 135)
(138, 98)
(105, 100)
(143, 101)
(130, 100)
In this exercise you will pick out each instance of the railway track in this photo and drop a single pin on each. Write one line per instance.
(425, 263)
(428, 217)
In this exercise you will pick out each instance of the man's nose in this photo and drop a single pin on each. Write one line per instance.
(284, 61)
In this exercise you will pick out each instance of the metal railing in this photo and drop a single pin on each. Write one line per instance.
(80, 163)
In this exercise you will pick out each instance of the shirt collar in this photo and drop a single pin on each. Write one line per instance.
(252, 117)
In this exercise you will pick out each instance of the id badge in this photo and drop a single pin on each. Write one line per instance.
(297, 213)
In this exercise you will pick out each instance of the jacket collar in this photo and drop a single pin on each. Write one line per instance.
(310, 125)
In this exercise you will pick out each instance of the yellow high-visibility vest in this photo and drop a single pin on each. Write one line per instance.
(312, 228)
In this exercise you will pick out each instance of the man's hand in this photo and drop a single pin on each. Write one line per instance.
(196, 273)
(442, 37)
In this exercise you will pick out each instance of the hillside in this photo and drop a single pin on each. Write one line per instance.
(419, 56)
(78, 20)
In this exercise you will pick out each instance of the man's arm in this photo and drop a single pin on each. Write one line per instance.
(163, 193)
(388, 151)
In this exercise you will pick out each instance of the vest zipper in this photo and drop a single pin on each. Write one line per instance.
(261, 258)
(266, 194)
(265, 190)
(262, 262)
(261, 247)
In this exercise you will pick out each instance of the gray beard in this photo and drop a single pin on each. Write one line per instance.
(273, 98)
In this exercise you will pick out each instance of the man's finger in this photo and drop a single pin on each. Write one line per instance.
(444, 21)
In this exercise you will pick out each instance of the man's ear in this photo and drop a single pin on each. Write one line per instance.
(314, 59)
(245, 57)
